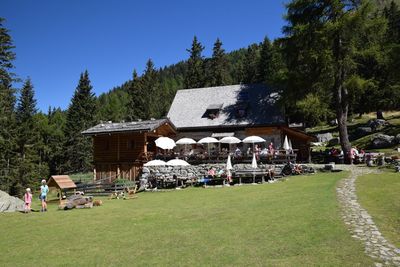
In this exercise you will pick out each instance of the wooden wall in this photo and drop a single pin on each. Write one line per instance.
(118, 147)
(118, 154)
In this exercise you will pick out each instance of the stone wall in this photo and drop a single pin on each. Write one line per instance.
(193, 170)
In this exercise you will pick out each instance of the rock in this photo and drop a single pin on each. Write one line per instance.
(383, 141)
(334, 141)
(377, 124)
(9, 203)
(325, 137)
(329, 166)
(363, 131)
(333, 122)
(397, 138)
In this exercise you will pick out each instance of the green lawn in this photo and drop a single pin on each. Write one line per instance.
(292, 223)
(380, 195)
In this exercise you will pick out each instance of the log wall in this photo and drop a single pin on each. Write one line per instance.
(118, 155)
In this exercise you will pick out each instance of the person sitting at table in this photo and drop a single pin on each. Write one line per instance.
(298, 169)
(271, 172)
(238, 153)
(248, 152)
(264, 152)
(271, 148)
(257, 151)
(191, 153)
(211, 173)
(219, 173)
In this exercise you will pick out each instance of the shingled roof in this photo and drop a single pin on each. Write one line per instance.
(190, 105)
(61, 182)
(134, 126)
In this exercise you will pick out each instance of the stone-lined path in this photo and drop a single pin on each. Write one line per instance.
(361, 224)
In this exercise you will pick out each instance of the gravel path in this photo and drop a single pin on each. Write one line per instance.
(360, 223)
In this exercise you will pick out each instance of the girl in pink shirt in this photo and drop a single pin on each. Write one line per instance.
(28, 200)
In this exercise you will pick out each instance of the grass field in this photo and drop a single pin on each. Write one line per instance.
(291, 223)
(380, 195)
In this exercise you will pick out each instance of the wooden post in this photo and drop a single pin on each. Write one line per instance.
(118, 147)
(94, 173)
(60, 196)
(145, 143)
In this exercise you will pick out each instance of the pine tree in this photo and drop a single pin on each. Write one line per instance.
(7, 111)
(136, 99)
(250, 64)
(80, 116)
(55, 140)
(195, 76)
(28, 140)
(26, 109)
(150, 91)
(265, 70)
(218, 74)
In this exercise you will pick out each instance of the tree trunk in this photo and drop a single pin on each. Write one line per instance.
(342, 103)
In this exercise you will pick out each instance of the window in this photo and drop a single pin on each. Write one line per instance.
(212, 111)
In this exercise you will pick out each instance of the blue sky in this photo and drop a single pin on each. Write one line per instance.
(57, 40)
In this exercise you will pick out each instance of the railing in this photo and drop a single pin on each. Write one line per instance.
(217, 157)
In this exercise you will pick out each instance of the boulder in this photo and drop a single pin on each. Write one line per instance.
(334, 141)
(9, 203)
(363, 131)
(382, 141)
(325, 137)
(333, 122)
(377, 124)
(397, 139)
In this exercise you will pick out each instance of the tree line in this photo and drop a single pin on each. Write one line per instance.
(336, 59)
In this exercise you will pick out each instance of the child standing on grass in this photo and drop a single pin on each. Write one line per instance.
(44, 189)
(28, 200)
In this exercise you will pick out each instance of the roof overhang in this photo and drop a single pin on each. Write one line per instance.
(61, 182)
(125, 128)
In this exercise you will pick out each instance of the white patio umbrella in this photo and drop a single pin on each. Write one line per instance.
(165, 143)
(208, 141)
(228, 168)
(290, 144)
(253, 139)
(254, 166)
(286, 143)
(185, 141)
(155, 162)
(229, 163)
(177, 162)
(230, 140)
(254, 162)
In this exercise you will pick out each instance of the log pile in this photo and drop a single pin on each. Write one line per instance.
(77, 201)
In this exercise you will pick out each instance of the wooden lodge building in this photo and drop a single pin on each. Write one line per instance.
(120, 149)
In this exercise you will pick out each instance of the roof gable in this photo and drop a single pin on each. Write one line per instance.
(240, 105)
